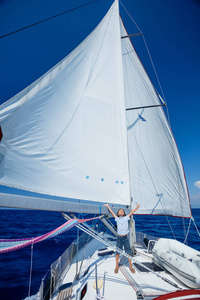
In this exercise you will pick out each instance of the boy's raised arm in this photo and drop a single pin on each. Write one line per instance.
(108, 207)
(134, 210)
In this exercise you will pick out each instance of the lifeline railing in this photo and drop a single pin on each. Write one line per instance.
(55, 272)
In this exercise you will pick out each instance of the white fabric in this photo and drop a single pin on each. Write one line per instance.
(65, 135)
(156, 172)
(122, 225)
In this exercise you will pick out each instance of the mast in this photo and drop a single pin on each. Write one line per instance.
(132, 230)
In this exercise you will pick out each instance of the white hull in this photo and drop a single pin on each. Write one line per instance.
(95, 257)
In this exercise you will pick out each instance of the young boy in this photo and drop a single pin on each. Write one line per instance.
(122, 234)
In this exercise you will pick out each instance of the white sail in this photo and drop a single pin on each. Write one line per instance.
(156, 172)
(65, 135)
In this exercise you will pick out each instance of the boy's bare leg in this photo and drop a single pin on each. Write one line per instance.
(131, 267)
(117, 263)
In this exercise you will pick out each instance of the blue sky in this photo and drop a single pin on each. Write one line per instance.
(171, 30)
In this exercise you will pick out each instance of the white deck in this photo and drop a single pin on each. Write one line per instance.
(116, 285)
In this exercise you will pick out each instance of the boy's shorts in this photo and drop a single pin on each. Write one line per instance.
(122, 241)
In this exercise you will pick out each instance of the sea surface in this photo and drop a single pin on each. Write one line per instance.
(15, 266)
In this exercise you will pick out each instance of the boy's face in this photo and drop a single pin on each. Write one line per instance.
(121, 213)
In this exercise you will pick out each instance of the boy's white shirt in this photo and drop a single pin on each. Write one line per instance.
(122, 225)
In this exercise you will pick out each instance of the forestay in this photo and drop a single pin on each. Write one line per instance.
(65, 134)
(156, 172)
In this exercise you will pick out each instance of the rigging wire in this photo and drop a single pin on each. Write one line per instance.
(31, 268)
(77, 244)
(186, 236)
(47, 19)
(184, 229)
(160, 86)
(94, 221)
(111, 224)
(196, 226)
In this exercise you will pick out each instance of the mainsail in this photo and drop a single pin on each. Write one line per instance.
(156, 172)
(68, 133)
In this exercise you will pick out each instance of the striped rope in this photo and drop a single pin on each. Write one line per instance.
(7, 245)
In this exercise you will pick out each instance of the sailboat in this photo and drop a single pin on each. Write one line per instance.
(92, 130)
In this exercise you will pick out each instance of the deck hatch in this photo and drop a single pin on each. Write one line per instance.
(150, 265)
(110, 252)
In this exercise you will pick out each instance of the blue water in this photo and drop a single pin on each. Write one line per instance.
(15, 266)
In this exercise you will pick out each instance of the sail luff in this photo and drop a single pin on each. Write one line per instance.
(122, 79)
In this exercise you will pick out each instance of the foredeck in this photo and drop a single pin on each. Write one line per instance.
(98, 266)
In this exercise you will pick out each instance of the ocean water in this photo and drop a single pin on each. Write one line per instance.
(15, 266)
